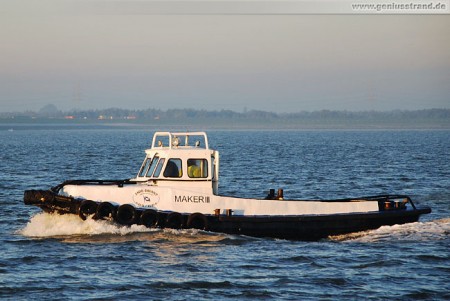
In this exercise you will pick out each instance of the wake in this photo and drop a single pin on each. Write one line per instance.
(56, 225)
(418, 231)
(48, 225)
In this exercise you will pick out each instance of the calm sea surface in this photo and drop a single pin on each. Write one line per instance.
(51, 257)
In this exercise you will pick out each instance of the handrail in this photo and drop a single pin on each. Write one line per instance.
(171, 135)
(58, 187)
(382, 197)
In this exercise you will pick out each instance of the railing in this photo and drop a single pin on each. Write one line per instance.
(385, 202)
(170, 140)
(119, 183)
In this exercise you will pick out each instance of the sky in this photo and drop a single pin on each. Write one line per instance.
(94, 57)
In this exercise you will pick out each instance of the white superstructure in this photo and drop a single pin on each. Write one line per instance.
(180, 173)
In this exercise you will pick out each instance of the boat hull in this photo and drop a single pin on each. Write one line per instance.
(293, 227)
(314, 227)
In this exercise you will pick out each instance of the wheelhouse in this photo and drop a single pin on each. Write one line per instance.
(181, 157)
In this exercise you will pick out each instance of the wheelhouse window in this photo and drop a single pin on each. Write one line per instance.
(197, 168)
(159, 167)
(144, 167)
(173, 169)
(152, 166)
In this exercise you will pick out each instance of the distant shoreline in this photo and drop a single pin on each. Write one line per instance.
(229, 120)
(73, 125)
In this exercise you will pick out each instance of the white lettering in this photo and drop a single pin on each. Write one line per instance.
(192, 199)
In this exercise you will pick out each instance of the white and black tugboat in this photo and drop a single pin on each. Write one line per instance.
(177, 187)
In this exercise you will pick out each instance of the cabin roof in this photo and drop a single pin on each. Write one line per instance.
(179, 140)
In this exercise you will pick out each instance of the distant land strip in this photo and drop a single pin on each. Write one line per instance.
(227, 119)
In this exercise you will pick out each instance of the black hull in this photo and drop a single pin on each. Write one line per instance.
(314, 227)
(307, 227)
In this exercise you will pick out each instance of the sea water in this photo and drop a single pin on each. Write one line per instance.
(60, 257)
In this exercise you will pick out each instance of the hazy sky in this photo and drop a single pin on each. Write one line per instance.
(283, 63)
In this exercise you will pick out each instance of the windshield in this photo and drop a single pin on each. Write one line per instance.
(144, 167)
(153, 165)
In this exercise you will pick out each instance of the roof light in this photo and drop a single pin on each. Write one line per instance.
(175, 141)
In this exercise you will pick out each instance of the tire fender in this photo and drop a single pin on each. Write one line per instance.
(197, 221)
(87, 208)
(149, 218)
(126, 215)
(174, 220)
(106, 210)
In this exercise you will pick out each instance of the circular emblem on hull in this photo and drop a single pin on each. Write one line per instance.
(146, 198)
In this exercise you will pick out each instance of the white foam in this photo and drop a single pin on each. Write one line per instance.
(54, 225)
(419, 231)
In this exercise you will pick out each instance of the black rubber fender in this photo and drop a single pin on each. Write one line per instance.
(106, 210)
(162, 217)
(38, 197)
(149, 218)
(174, 220)
(197, 221)
(87, 208)
(126, 215)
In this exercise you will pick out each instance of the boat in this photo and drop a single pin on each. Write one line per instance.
(177, 186)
